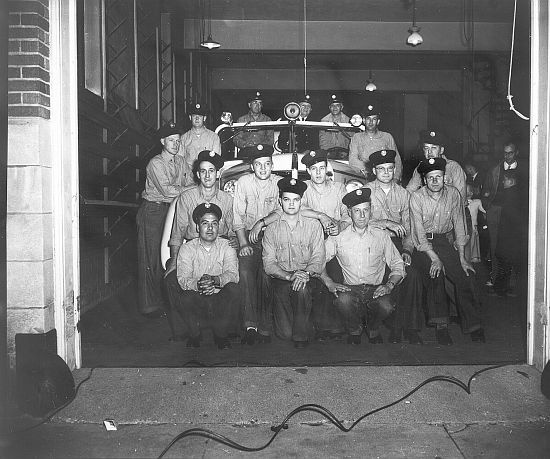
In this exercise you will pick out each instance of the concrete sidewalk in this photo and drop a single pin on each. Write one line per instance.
(505, 415)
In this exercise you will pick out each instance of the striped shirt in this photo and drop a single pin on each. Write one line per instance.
(192, 144)
(363, 257)
(333, 138)
(438, 216)
(328, 201)
(185, 228)
(454, 175)
(194, 260)
(362, 145)
(301, 247)
(165, 178)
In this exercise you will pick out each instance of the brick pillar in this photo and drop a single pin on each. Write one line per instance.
(29, 176)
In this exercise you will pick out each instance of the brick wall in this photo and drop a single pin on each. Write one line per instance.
(28, 58)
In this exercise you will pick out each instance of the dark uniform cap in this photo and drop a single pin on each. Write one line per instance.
(356, 197)
(382, 157)
(211, 157)
(335, 100)
(433, 137)
(167, 130)
(206, 208)
(432, 164)
(291, 185)
(306, 99)
(257, 151)
(198, 109)
(313, 157)
(371, 110)
(256, 96)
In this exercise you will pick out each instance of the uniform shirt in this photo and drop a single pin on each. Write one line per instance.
(185, 228)
(328, 201)
(454, 175)
(429, 215)
(291, 249)
(194, 260)
(192, 144)
(330, 139)
(252, 138)
(165, 178)
(363, 257)
(362, 145)
(392, 206)
(254, 199)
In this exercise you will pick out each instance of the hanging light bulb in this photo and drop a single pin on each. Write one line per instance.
(370, 84)
(209, 43)
(414, 39)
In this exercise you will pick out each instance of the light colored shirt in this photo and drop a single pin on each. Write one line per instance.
(392, 206)
(165, 178)
(192, 144)
(454, 175)
(254, 199)
(185, 228)
(301, 247)
(328, 201)
(252, 138)
(194, 260)
(333, 138)
(439, 216)
(362, 145)
(363, 257)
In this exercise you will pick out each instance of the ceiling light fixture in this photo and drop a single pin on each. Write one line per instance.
(414, 39)
(370, 84)
(209, 43)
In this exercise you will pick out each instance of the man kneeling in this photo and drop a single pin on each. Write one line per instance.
(363, 253)
(207, 294)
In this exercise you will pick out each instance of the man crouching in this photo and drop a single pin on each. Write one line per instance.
(208, 273)
(363, 253)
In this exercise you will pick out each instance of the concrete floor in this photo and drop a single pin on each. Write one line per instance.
(505, 415)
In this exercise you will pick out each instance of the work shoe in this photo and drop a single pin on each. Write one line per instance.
(250, 337)
(443, 337)
(414, 337)
(395, 336)
(376, 339)
(223, 343)
(300, 344)
(354, 339)
(478, 335)
(194, 342)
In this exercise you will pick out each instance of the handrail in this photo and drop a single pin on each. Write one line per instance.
(98, 202)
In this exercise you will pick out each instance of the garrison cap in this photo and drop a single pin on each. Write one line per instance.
(198, 109)
(256, 96)
(313, 157)
(335, 100)
(167, 130)
(211, 157)
(433, 137)
(356, 197)
(257, 151)
(371, 110)
(291, 185)
(206, 208)
(382, 157)
(432, 164)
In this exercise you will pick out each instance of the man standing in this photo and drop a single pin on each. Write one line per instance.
(436, 210)
(334, 138)
(433, 147)
(306, 139)
(255, 197)
(258, 137)
(492, 195)
(364, 144)
(363, 253)
(293, 251)
(206, 294)
(390, 211)
(165, 181)
(197, 139)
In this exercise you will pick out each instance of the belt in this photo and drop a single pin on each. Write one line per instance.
(158, 203)
(431, 236)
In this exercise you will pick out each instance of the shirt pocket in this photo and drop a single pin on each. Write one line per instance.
(270, 202)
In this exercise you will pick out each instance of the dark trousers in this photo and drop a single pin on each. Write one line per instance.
(291, 311)
(150, 223)
(178, 328)
(219, 311)
(466, 300)
(325, 315)
(256, 298)
(408, 313)
(493, 223)
(358, 304)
